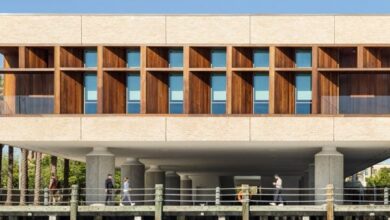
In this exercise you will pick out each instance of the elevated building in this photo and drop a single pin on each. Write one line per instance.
(208, 97)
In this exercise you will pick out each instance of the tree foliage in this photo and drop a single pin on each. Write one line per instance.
(76, 172)
(380, 179)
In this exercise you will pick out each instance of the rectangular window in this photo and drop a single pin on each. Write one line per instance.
(133, 58)
(261, 93)
(260, 58)
(90, 93)
(303, 93)
(218, 58)
(303, 57)
(218, 93)
(133, 93)
(175, 57)
(175, 93)
(1, 61)
(90, 57)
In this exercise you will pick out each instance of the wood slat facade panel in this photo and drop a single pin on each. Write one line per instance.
(72, 57)
(157, 57)
(72, 92)
(114, 57)
(200, 57)
(284, 93)
(284, 57)
(157, 92)
(242, 57)
(200, 93)
(242, 93)
(114, 92)
(39, 57)
(328, 92)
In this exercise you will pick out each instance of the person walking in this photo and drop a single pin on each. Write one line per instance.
(126, 195)
(278, 190)
(109, 186)
(53, 189)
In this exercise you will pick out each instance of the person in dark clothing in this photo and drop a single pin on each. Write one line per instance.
(109, 186)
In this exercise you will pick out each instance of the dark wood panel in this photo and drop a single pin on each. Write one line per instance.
(376, 57)
(72, 92)
(328, 57)
(157, 57)
(284, 93)
(72, 57)
(200, 57)
(36, 57)
(242, 93)
(156, 92)
(34, 84)
(348, 57)
(199, 93)
(242, 57)
(358, 95)
(114, 92)
(114, 57)
(328, 91)
(284, 57)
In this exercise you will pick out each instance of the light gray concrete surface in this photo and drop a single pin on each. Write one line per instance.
(172, 180)
(135, 171)
(329, 169)
(154, 175)
(100, 162)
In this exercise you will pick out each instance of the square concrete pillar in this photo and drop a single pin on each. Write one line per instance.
(329, 169)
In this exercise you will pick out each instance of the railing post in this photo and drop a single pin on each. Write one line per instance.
(386, 196)
(217, 196)
(74, 202)
(245, 202)
(158, 212)
(45, 196)
(330, 202)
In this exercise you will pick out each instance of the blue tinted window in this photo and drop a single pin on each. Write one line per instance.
(175, 57)
(218, 93)
(175, 93)
(1, 60)
(133, 57)
(260, 58)
(90, 57)
(133, 93)
(261, 93)
(90, 93)
(303, 93)
(303, 57)
(218, 57)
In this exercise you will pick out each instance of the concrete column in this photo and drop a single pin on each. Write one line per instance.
(172, 180)
(329, 169)
(153, 176)
(100, 162)
(186, 190)
(135, 171)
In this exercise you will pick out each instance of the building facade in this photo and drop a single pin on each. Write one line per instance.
(207, 97)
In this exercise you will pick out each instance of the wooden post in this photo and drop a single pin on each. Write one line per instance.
(100, 79)
(46, 196)
(186, 79)
(314, 81)
(217, 196)
(158, 212)
(57, 80)
(271, 108)
(245, 202)
(386, 196)
(330, 202)
(143, 79)
(74, 203)
(229, 98)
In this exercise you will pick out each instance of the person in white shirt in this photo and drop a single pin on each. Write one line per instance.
(278, 190)
(126, 196)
